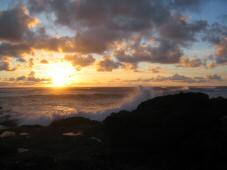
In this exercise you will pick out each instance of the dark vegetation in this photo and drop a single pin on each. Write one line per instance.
(182, 131)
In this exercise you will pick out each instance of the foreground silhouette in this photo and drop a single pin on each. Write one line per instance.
(186, 131)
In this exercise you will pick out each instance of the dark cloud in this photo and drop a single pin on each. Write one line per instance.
(181, 79)
(80, 61)
(41, 40)
(166, 52)
(221, 51)
(215, 33)
(38, 41)
(14, 50)
(118, 14)
(107, 64)
(100, 23)
(180, 30)
(16, 23)
(5, 66)
(31, 78)
(20, 78)
(215, 77)
(95, 40)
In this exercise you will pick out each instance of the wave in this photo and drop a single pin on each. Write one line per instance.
(129, 103)
(138, 95)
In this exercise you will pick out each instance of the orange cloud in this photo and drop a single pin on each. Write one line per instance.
(33, 22)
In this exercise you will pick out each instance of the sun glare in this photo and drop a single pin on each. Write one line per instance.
(61, 74)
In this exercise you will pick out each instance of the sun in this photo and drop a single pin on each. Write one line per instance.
(61, 74)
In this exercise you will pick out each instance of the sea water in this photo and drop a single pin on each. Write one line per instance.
(43, 105)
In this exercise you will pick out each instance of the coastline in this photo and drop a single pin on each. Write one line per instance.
(43, 106)
(173, 131)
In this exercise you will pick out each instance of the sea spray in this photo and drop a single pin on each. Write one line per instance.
(42, 106)
(134, 98)
(139, 95)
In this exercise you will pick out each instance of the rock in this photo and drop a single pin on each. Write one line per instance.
(72, 134)
(167, 129)
(73, 122)
(24, 134)
(6, 120)
(182, 131)
(22, 150)
(3, 127)
(96, 139)
(6, 134)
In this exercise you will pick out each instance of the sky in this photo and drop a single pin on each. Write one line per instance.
(113, 43)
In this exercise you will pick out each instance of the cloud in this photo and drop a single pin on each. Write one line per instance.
(155, 70)
(114, 13)
(5, 66)
(14, 50)
(44, 61)
(79, 61)
(180, 30)
(99, 25)
(221, 51)
(38, 41)
(166, 52)
(30, 78)
(16, 23)
(216, 34)
(30, 62)
(214, 77)
(186, 62)
(20, 78)
(181, 79)
(107, 64)
(41, 40)
(211, 64)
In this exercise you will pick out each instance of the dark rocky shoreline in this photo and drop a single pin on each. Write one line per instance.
(185, 131)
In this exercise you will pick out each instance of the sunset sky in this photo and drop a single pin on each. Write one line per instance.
(113, 42)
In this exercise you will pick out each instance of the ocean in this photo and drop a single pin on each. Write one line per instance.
(41, 106)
